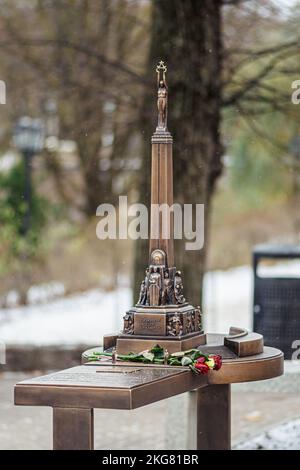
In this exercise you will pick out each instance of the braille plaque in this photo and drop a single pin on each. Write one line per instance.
(150, 324)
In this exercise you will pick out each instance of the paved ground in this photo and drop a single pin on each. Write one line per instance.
(256, 407)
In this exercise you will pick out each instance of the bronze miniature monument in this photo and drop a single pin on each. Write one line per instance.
(161, 314)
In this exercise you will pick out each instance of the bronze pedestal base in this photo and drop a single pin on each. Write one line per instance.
(136, 344)
(173, 327)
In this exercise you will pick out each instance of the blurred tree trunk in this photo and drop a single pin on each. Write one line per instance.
(187, 35)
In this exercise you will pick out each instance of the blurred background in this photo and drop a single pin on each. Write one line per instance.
(75, 132)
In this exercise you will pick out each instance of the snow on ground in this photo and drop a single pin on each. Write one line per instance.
(86, 317)
(82, 318)
(227, 297)
(282, 437)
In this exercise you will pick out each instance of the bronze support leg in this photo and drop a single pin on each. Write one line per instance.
(213, 418)
(73, 429)
(209, 418)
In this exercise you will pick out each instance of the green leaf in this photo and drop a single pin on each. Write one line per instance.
(178, 354)
(148, 355)
(189, 351)
(157, 350)
(131, 357)
(174, 361)
(195, 355)
(186, 361)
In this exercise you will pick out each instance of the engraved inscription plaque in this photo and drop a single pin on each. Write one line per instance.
(149, 324)
(104, 377)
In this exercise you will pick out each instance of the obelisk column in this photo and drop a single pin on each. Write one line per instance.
(162, 221)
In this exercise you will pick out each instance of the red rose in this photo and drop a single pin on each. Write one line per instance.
(218, 362)
(201, 360)
(202, 368)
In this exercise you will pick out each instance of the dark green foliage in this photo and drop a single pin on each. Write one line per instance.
(12, 211)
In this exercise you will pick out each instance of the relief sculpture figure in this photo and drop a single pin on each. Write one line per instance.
(167, 297)
(128, 324)
(174, 327)
(178, 288)
(143, 294)
(154, 287)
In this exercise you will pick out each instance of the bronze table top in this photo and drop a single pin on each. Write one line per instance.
(129, 386)
(74, 393)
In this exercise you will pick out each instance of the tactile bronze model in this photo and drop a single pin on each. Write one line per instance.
(162, 314)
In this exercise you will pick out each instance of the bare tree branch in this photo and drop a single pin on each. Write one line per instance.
(248, 85)
(259, 132)
(66, 44)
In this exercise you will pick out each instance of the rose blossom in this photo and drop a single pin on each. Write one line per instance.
(218, 362)
(200, 360)
(203, 368)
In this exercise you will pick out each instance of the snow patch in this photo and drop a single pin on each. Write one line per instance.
(283, 437)
(82, 318)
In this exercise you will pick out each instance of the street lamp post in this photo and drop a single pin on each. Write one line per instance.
(28, 137)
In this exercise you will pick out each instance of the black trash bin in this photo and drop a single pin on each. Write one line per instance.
(276, 307)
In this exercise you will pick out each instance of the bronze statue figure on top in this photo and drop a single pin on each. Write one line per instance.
(162, 96)
(162, 314)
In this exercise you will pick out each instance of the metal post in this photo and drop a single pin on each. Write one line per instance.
(27, 193)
